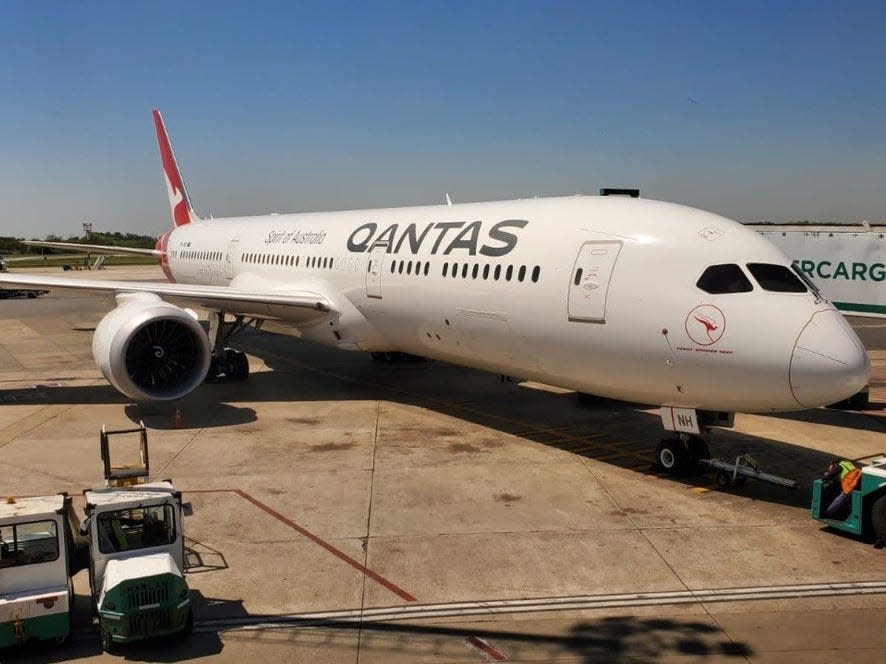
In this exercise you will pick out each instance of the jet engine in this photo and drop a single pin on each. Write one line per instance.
(151, 350)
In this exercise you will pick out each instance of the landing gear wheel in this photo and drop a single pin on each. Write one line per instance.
(237, 364)
(878, 518)
(673, 457)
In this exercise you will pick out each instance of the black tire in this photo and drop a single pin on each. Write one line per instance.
(188, 629)
(878, 518)
(673, 457)
(107, 642)
(240, 366)
(31, 295)
(724, 479)
(212, 374)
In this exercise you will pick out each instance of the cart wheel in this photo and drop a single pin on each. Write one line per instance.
(724, 479)
(673, 457)
(107, 642)
(189, 624)
(878, 518)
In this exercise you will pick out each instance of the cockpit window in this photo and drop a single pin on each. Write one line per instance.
(776, 278)
(727, 278)
(806, 280)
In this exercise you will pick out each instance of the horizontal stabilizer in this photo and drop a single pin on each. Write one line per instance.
(94, 248)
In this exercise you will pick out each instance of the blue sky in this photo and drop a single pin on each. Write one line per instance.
(755, 110)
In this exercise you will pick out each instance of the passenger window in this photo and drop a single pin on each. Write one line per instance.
(722, 279)
(577, 279)
(522, 274)
(535, 272)
(776, 278)
(497, 272)
(509, 272)
(486, 271)
(427, 267)
(445, 269)
(475, 271)
(464, 271)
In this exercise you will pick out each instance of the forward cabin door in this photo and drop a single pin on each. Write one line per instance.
(373, 271)
(589, 285)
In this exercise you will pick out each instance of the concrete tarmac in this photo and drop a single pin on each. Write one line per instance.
(352, 511)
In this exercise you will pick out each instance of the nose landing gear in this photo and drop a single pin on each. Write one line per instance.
(680, 454)
(687, 452)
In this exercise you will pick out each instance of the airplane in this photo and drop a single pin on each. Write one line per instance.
(613, 295)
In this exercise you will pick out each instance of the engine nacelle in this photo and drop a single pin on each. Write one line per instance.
(151, 350)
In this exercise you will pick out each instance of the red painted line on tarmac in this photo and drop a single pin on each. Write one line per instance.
(486, 649)
(341, 555)
(473, 641)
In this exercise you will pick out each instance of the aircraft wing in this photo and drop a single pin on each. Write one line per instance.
(93, 248)
(296, 306)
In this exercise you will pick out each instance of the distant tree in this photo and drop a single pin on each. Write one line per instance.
(11, 245)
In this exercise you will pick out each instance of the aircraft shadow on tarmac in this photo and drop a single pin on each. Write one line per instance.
(605, 640)
(620, 434)
(609, 639)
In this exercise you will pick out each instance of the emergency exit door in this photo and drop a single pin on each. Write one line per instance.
(373, 271)
(230, 257)
(589, 285)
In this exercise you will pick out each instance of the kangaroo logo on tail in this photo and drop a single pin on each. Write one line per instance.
(179, 202)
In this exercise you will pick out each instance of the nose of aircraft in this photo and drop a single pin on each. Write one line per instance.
(829, 363)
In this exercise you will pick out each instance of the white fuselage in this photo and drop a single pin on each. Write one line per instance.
(446, 283)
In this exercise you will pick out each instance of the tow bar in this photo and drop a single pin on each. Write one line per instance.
(745, 466)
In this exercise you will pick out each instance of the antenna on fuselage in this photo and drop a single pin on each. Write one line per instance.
(612, 191)
(448, 200)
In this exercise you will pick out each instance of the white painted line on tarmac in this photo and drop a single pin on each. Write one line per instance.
(544, 604)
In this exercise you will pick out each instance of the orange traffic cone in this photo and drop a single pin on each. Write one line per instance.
(177, 420)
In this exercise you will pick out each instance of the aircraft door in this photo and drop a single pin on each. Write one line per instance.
(373, 271)
(589, 284)
(229, 258)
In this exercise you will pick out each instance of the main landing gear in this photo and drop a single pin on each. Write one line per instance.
(227, 363)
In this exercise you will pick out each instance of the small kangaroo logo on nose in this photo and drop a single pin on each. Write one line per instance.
(707, 322)
(712, 321)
